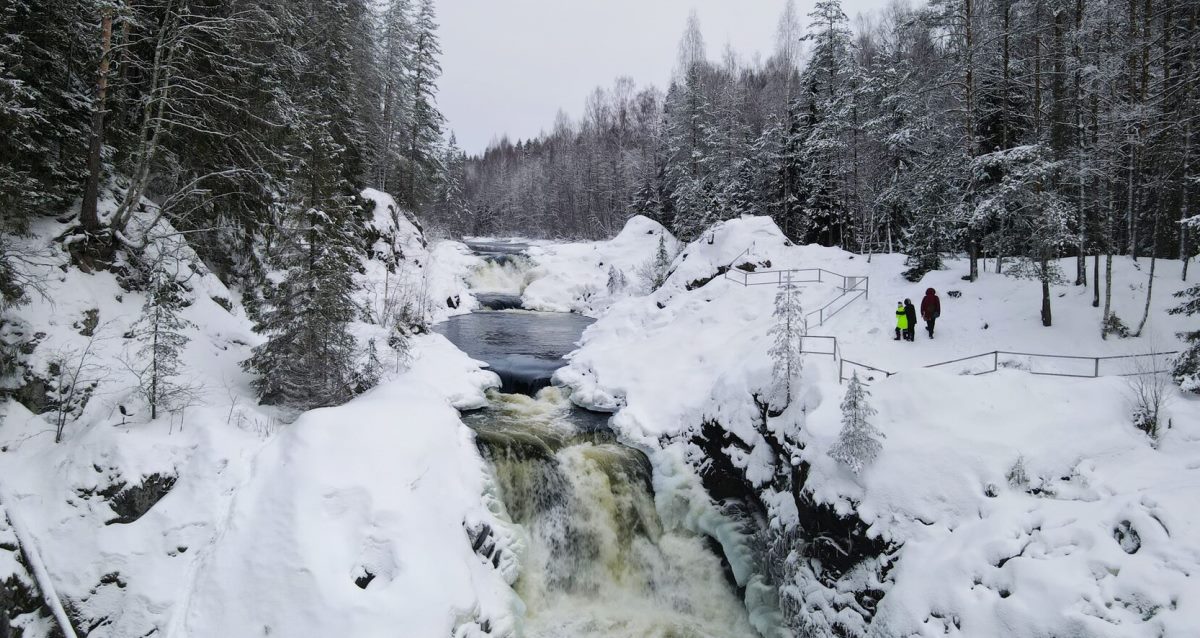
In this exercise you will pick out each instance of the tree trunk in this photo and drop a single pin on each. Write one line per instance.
(1150, 282)
(1047, 318)
(88, 212)
(1096, 281)
(1107, 294)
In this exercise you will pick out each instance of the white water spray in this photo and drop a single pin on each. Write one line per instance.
(509, 275)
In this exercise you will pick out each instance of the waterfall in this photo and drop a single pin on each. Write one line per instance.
(508, 274)
(597, 559)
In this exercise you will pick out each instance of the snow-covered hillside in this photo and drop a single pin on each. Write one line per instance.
(1098, 537)
(217, 518)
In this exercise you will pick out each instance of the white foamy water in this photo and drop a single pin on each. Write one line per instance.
(597, 559)
(502, 274)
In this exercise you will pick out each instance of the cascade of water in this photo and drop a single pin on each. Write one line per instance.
(508, 274)
(595, 557)
(598, 560)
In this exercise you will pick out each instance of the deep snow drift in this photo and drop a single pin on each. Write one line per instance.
(1098, 540)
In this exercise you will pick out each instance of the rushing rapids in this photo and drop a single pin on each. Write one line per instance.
(596, 558)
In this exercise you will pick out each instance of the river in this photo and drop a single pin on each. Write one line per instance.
(597, 559)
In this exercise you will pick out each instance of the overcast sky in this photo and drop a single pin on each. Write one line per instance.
(508, 66)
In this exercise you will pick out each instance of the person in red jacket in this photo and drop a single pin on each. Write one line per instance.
(931, 309)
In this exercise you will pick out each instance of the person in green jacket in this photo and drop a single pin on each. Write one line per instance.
(901, 320)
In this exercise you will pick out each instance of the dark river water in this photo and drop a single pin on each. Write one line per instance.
(524, 348)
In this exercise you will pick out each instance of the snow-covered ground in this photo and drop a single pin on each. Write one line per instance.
(221, 519)
(361, 519)
(977, 556)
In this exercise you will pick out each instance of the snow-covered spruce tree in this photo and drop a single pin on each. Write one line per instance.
(309, 358)
(424, 135)
(654, 272)
(859, 442)
(161, 331)
(787, 332)
(1187, 366)
(43, 105)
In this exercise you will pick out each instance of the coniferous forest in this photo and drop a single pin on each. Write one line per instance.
(252, 125)
(1020, 131)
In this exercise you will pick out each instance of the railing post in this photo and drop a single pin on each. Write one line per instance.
(1096, 374)
(995, 360)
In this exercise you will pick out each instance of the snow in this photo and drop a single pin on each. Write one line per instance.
(268, 523)
(668, 361)
(573, 277)
(384, 484)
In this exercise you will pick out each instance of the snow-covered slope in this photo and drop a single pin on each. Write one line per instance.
(943, 544)
(221, 519)
(575, 277)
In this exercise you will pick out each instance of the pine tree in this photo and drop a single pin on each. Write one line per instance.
(788, 332)
(44, 106)
(859, 442)
(1187, 366)
(424, 119)
(161, 331)
(822, 152)
(655, 271)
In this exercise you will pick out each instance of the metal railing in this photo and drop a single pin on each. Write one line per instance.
(852, 287)
(996, 360)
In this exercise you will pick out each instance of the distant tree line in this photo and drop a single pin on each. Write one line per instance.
(1021, 131)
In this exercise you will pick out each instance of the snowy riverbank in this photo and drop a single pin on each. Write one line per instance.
(1050, 555)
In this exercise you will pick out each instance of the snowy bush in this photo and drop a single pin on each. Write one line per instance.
(162, 331)
(1114, 326)
(616, 280)
(1018, 476)
(1149, 392)
(858, 444)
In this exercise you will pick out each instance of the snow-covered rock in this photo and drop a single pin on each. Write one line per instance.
(575, 277)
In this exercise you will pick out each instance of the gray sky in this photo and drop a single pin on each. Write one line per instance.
(510, 65)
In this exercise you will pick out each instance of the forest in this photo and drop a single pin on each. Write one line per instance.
(246, 127)
(1013, 130)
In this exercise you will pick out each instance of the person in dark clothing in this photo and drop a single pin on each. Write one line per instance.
(910, 313)
(931, 309)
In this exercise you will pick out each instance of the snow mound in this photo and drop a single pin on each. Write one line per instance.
(576, 277)
(357, 520)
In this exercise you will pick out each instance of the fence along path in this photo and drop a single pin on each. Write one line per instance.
(855, 287)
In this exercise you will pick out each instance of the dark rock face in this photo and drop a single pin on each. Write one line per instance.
(703, 281)
(829, 545)
(131, 503)
(499, 301)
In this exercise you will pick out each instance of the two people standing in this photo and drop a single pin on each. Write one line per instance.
(906, 316)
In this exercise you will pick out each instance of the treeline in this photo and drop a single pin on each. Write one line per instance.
(250, 125)
(1020, 130)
